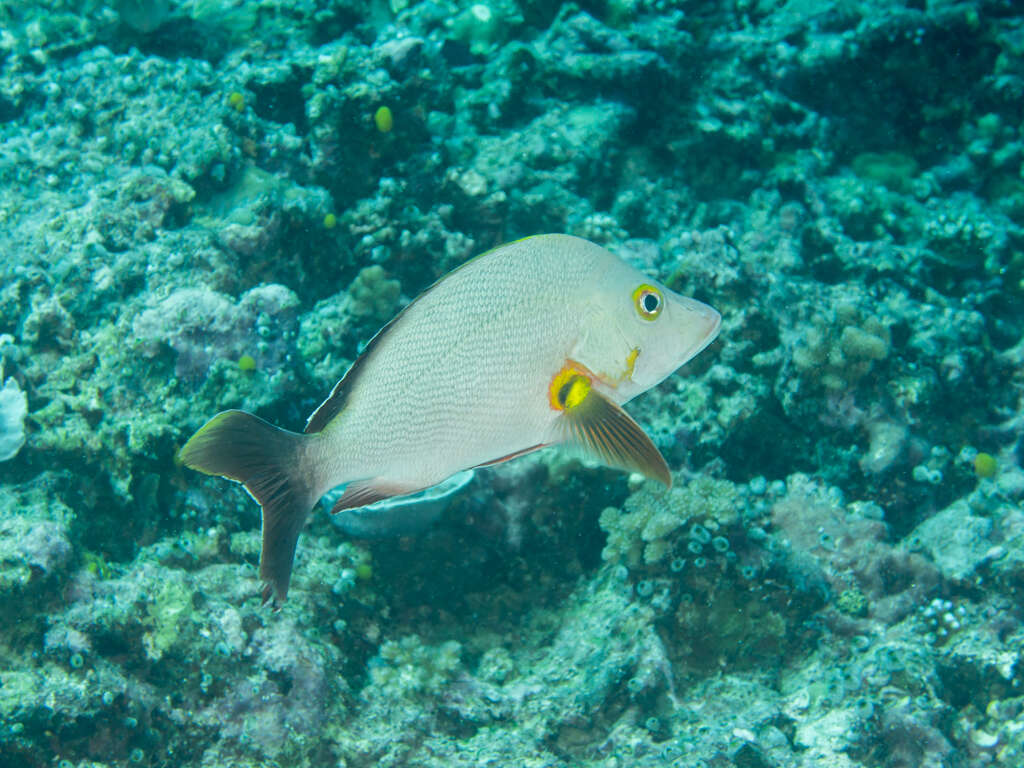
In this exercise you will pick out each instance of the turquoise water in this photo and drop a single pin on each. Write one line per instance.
(210, 205)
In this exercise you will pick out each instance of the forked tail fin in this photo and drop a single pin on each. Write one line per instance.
(274, 467)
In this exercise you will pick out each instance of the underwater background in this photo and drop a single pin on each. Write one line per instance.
(210, 204)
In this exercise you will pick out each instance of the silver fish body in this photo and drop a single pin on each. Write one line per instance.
(534, 343)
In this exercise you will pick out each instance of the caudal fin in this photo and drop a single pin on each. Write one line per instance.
(271, 463)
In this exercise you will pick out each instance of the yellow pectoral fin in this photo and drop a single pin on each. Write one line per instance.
(569, 387)
(603, 430)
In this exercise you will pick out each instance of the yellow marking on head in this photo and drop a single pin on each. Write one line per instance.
(630, 363)
(568, 388)
(626, 374)
(648, 301)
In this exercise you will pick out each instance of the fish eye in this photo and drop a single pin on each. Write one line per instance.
(648, 301)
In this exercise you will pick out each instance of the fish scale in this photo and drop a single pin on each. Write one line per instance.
(506, 316)
(536, 342)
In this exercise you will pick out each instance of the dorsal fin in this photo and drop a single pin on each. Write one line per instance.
(335, 402)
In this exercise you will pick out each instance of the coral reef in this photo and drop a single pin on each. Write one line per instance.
(13, 409)
(211, 204)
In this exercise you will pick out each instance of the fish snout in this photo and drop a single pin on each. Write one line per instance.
(699, 325)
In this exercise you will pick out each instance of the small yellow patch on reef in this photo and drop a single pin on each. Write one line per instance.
(236, 100)
(330, 221)
(247, 363)
(383, 119)
(985, 465)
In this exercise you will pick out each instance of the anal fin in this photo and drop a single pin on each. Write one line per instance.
(359, 493)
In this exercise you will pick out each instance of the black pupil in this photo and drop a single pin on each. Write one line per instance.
(650, 302)
(563, 391)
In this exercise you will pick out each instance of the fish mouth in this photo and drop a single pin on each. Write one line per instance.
(703, 325)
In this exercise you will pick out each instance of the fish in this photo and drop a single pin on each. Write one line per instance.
(535, 343)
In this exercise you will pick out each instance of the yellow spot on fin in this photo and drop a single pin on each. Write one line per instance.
(573, 392)
(603, 430)
(568, 387)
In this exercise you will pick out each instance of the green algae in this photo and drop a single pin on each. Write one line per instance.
(853, 602)
(893, 170)
(166, 610)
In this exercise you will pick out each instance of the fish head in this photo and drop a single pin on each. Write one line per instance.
(638, 332)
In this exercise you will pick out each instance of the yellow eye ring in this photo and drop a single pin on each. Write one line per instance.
(648, 301)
